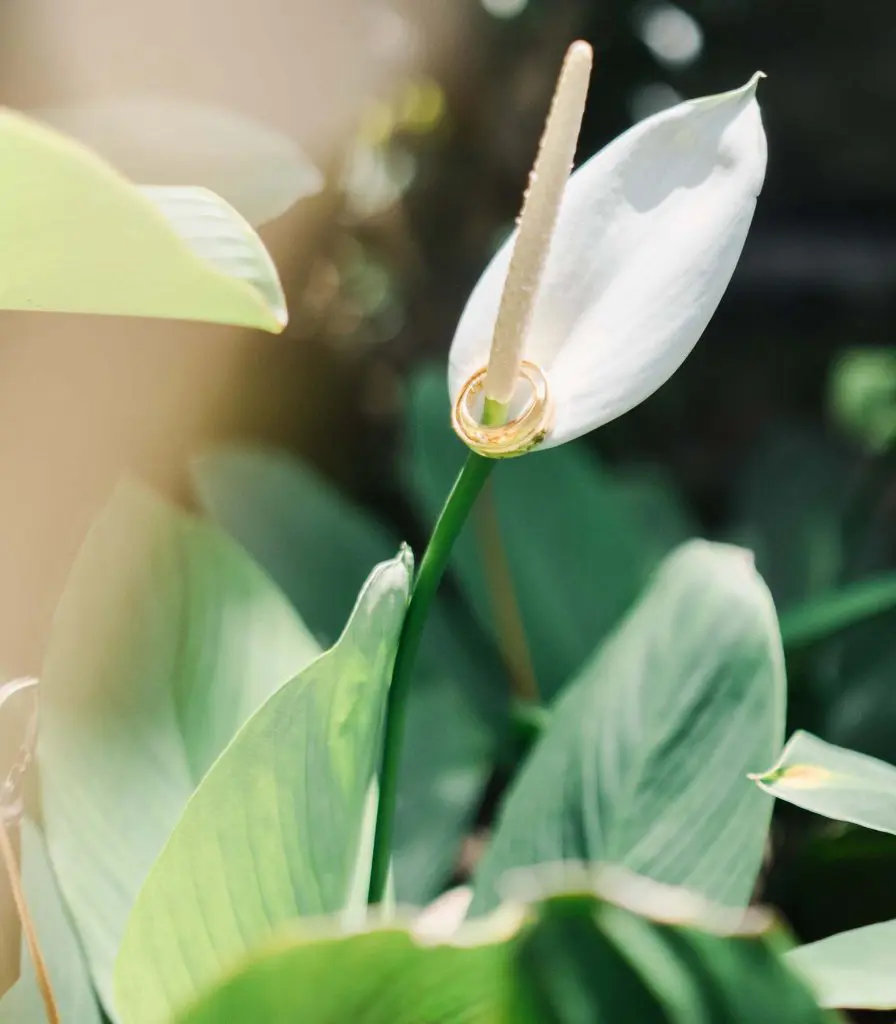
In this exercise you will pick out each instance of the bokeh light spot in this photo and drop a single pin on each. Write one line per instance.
(505, 8)
(671, 34)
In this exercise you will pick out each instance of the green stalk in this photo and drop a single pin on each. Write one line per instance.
(452, 518)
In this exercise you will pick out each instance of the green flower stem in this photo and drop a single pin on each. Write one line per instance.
(452, 518)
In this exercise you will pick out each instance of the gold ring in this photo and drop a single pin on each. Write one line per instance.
(519, 435)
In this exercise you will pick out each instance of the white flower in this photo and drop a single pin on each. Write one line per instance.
(648, 235)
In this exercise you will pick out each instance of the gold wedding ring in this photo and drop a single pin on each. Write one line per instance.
(515, 437)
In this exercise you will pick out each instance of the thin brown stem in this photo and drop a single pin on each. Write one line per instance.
(508, 621)
(28, 930)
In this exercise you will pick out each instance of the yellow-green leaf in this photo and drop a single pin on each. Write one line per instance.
(281, 827)
(77, 237)
(570, 957)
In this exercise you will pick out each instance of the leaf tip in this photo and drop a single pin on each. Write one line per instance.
(795, 776)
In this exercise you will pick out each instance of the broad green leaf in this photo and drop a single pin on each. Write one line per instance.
(576, 545)
(789, 511)
(829, 613)
(65, 961)
(76, 237)
(172, 140)
(651, 501)
(166, 640)
(281, 827)
(644, 759)
(855, 969)
(574, 957)
(860, 710)
(319, 548)
(837, 783)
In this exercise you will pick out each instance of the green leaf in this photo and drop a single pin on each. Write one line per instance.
(854, 969)
(577, 546)
(829, 613)
(281, 827)
(793, 493)
(860, 711)
(166, 639)
(644, 759)
(837, 783)
(76, 237)
(65, 961)
(574, 957)
(256, 169)
(319, 548)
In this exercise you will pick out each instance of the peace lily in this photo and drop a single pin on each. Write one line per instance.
(612, 275)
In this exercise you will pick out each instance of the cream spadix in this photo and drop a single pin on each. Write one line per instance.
(648, 236)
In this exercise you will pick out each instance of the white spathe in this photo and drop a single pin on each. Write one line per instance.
(649, 233)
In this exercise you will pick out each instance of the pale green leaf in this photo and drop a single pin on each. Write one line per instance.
(319, 548)
(280, 827)
(575, 958)
(166, 639)
(65, 962)
(171, 140)
(854, 970)
(835, 782)
(644, 758)
(76, 237)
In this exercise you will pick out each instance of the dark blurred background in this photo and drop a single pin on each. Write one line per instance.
(425, 115)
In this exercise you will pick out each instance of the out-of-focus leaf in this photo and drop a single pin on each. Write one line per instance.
(76, 237)
(18, 737)
(862, 395)
(655, 506)
(854, 969)
(318, 547)
(571, 958)
(281, 827)
(829, 613)
(644, 759)
(789, 512)
(65, 961)
(166, 640)
(860, 710)
(837, 783)
(169, 140)
(575, 547)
